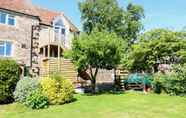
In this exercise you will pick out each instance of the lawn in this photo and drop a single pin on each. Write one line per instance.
(128, 105)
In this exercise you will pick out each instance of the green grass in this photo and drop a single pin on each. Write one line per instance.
(129, 105)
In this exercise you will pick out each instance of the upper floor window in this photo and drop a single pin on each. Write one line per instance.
(5, 48)
(3, 18)
(11, 20)
(60, 30)
(7, 19)
(59, 27)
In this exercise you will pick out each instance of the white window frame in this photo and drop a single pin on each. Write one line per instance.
(60, 26)
(5, 47)
(59, 35)
(8, 16)
(60, 29)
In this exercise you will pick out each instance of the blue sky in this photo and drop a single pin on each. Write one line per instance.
(158, 13)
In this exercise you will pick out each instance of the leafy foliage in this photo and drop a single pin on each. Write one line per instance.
(108, 15)
(133, 22)
(173, 83)
(157, 45)
(99, 50)
(57, 89)
(159, 82)
(68, 54)
(24, 87)
(101, 17)
(36, 100)
(9, 75)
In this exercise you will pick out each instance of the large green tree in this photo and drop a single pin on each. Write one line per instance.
(98, 50)
(157, 46)
(108, 15)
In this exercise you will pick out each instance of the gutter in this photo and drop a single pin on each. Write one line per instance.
(29, 15)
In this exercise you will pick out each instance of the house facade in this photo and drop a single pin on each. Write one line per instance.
(33, 36)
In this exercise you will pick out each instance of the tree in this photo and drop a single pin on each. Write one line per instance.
(133, 21)
(107, 15)
(98, 50)
(158, 45)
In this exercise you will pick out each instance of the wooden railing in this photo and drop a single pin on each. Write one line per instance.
(48, 36)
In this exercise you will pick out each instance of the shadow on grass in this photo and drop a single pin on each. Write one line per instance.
(72, 101)
(103, 88)
(105, 93)
(6, 101)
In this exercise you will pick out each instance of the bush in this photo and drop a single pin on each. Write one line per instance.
(173, 83)
(36, 100)
(24, 88)
(177, 82)
(9, 76)
(159, 82)
(57, 89)
(68, 54)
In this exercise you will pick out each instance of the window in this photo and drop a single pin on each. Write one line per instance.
(7, 19)
(11, 20)
(59, 27)
(59, 30)
(63, 31)
(5, 49)
(3, 18)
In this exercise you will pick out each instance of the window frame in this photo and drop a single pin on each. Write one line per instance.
(60, 28)
(4, 45)
(7, 17)
(59, 23)
(1, 13)
(11, 17)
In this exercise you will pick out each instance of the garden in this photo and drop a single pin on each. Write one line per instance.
(111, 38)
(128, 105)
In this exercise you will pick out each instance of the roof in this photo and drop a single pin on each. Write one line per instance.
(26, 7)
(22, 6)
(46, 16)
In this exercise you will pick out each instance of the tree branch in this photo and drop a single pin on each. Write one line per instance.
(91, 73)
(96, 72)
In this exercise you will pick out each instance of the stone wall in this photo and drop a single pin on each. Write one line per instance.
(20, 37)
(27, 36)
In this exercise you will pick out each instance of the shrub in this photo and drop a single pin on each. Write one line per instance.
(177, 82)
(68, 54)
(158, 82)
(49, 89)
(24, 88)
(9, 76)
(36, 100)
(173, 83)
(57, 89)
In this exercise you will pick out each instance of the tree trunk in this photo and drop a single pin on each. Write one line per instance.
(93, 85)
(93, 80)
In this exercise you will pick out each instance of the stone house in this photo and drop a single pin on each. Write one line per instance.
(35, 37)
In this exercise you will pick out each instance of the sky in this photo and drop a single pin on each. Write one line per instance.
(158, 13)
